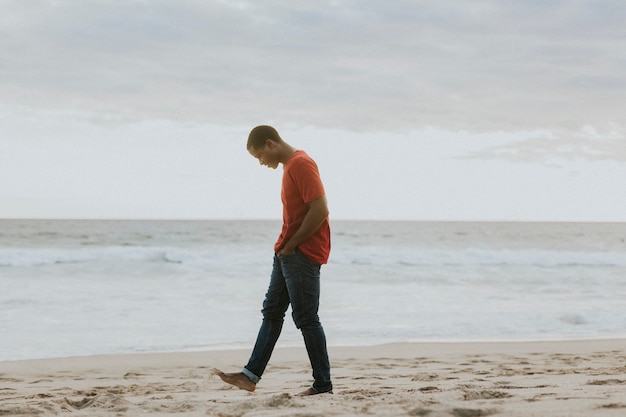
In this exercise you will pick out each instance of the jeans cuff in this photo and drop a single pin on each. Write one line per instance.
(250, 375)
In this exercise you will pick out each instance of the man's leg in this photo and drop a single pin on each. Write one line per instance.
(274, 307)
(302, 277)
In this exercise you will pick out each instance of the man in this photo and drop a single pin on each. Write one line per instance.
(302, 247)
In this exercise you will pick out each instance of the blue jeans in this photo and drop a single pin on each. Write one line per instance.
(295, 280)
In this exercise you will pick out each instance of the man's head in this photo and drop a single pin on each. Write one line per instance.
(259, 136)
(266, 145)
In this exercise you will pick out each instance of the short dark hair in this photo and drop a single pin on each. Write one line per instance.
(260, 134)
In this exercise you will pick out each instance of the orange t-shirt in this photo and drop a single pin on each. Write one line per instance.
(301, 185)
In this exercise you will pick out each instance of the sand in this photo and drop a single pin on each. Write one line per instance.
(580, 378)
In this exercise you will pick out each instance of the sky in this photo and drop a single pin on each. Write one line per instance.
(414, 110)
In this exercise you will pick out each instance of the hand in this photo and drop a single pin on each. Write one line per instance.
(286, 250)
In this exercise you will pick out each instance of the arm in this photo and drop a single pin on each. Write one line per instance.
(318, 211)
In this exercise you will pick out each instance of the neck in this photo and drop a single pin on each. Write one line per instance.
(285, 152)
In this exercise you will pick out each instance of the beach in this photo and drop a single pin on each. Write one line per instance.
(549, 378)
(452, 319)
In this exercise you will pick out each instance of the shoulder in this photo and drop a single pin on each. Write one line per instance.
(300, 160)
(301, 155)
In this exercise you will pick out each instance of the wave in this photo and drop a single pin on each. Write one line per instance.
(363, 256)
(485, 257)
(33, 257)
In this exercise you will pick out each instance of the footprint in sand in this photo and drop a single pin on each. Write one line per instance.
(469, 412)
(106, 401)
(133, 375)
(3, 379)
(279, 401)
(425, 377)
(612, 406)
(456, 412)
(484, 395)
(39, 381)
(430, 389)
(607, 382)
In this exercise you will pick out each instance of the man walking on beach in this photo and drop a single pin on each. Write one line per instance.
(302, 247)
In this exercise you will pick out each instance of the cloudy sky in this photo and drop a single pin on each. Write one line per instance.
(425, 110)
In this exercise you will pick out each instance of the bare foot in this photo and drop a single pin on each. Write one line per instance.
(312, 391)
(239, 380)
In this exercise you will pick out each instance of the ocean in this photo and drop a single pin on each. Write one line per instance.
(84, 287)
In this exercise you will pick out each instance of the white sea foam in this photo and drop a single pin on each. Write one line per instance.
(27, 257)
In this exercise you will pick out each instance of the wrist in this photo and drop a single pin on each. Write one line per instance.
(287, 249)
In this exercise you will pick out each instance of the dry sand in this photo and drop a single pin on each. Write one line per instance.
(582, 378)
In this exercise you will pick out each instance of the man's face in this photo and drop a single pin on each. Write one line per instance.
(266, 155)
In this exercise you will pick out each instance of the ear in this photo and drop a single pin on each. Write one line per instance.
(269, 143)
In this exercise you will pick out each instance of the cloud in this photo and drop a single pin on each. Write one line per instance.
(545, 147)
(80, 164)
(367, 65)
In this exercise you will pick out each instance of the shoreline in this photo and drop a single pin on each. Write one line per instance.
(221, 350)
(436, 379)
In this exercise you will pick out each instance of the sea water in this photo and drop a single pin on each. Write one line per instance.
(95, 287)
